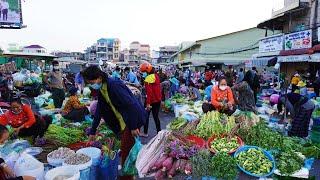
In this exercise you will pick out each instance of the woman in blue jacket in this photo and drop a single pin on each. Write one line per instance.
(121, 111)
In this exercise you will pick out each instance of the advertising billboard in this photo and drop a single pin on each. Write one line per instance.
(298, 40)
(10, 13)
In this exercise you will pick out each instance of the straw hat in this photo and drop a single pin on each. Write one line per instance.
(301, 84)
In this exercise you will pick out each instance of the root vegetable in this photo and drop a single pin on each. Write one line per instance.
(172, 171)
(188, 168)
(167, 164)
(159, 175)
(158, 164)
(182, 165)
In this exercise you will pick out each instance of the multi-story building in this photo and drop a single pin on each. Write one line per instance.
(34, 49)
(69, 55)
(106, 49)
(166, 52)
(138, 52)
(296, 48)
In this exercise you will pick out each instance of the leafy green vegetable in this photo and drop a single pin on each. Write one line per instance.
(224, 166)
(64, 136)
(177, 123)
(254, 161)
(201, 164)
(214, 123)
(288, 162)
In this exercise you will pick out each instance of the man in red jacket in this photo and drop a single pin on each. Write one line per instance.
(153, 98)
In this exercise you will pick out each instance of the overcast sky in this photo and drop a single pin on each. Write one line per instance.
(76, 24)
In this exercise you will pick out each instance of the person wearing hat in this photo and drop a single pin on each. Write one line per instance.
(73, 109)
(302, 88)
(153, 98)
(294, 81)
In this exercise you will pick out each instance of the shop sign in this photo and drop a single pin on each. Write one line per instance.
(271, 44)
(298, 40)
(297, 58)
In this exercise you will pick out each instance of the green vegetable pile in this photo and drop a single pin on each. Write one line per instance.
(64, 136)
(289, 162)
(178, 98)
(254, 161)
(223, 145)
(221, 166)
(214, 123)
(177, 123)
(224, 166)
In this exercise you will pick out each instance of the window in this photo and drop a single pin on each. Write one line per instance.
(116, 56)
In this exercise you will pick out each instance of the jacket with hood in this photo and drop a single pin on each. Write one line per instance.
(153, 89)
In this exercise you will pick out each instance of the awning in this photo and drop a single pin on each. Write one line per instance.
(315, 57)
(295, 58)
(296, 52)
(263, 61)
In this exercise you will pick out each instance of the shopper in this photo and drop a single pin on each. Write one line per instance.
(302, 88)
(79, 82)
(240, 75)
(73, 109)
(54, 80)
(244, 96)
(153, 92)
(300, 108)
(294, 81)
(222, 98)
(121, 111)
(24, 121)
(116, 73)
(131, 77)
(253, 81)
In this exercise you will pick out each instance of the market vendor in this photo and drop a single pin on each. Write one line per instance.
(54, 80)
(6, 173)
(23, 120)
(153, 96)
(207, 106)
(244, 96)
(73, 109)
(121, 111)
(222, 97)
(300, 108)
(194, 93)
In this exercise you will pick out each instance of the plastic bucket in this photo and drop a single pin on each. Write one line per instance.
(92, 152)
(64, 171)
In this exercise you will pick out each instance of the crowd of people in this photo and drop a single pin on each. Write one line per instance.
(126, 114)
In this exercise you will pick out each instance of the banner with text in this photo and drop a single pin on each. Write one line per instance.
(298, 40)
(270, 44)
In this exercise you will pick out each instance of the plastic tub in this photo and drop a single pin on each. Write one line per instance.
(64, 171)
(197, 141)
(267, 154)
(210, 140)
(92, 152)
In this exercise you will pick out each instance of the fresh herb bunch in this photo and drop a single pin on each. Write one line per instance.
(201, 164)
(224, 166)
(288, 162)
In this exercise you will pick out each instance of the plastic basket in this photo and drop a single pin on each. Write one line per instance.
(197, 141)
(266, 153)
(210, 140)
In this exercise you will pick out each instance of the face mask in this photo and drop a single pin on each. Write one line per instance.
(144, 75)
(222, 88)
(96, 86)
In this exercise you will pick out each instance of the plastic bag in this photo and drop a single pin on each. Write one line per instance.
(27, 165)
(108, 168)
(129, 167)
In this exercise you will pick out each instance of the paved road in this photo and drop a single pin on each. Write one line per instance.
(165, 118)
